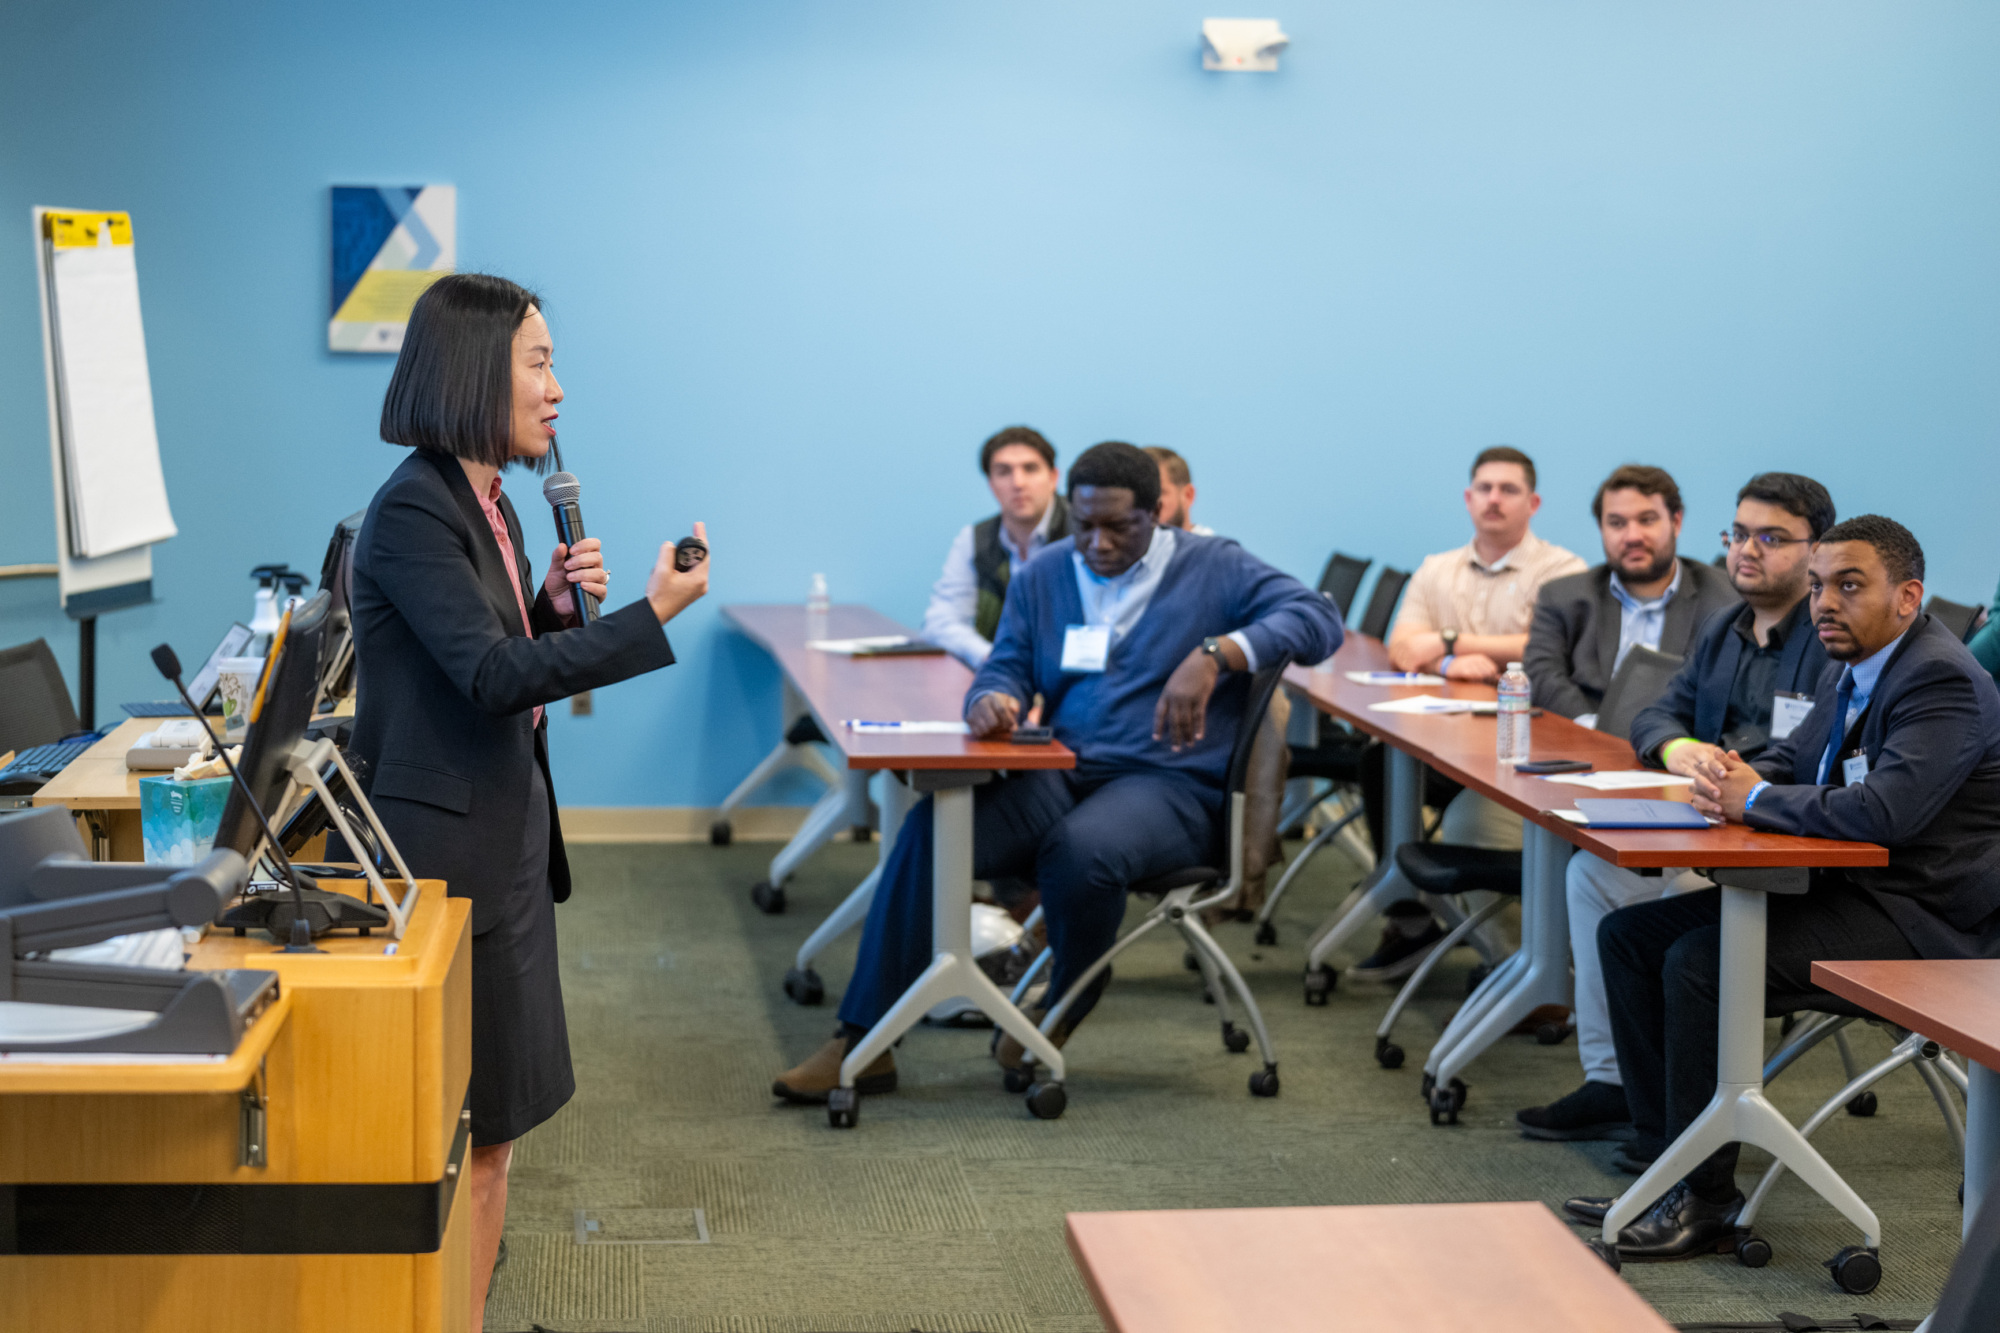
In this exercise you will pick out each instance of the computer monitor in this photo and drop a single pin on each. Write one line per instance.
(290, 688)
(336, 577)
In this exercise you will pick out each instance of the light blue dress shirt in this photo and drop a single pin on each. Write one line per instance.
(1641, 622)
(1863, 674)
(1119, 602)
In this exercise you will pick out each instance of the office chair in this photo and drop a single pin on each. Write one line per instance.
(34, 703)
(1183, 895)
(1639, 681)
(1961, 620)
(1341, 579)
(1382, 602)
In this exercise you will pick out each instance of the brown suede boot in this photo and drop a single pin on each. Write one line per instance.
(819, 1073)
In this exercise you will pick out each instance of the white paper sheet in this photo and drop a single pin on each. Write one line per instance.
(1621, 779)
(907, 728)
(1394, 678)
(1435, 703)
(849, 647)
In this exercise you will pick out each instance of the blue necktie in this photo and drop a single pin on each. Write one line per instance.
(1842, 700)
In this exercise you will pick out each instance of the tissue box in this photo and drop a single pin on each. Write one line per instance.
(178, 820)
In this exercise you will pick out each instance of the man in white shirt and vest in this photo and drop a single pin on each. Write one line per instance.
(964, 612)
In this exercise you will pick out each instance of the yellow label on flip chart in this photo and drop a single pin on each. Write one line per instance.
(385, 295)
(70, 231)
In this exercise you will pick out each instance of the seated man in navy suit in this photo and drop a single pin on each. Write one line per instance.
(1141, 640)
(1902, 748)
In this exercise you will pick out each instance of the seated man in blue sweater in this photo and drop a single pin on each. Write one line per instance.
(1140, 640)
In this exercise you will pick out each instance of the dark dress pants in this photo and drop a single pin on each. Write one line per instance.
(1662, 976)
(1081, 842)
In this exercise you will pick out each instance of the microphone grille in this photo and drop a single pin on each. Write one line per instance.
(560, 488)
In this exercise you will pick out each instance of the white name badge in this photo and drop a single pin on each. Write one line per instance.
(1853, 771)
(1085, 647)
(1787, 711)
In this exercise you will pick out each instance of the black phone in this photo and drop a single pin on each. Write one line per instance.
(1032, 735)
(689, 552)
(1540, 766)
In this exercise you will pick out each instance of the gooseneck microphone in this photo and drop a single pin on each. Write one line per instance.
(562, 490)
(169, 664)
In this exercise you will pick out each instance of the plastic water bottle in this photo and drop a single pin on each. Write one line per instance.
(1514, 719)
(816, 598)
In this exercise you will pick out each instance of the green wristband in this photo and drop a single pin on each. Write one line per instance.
(1667, 750)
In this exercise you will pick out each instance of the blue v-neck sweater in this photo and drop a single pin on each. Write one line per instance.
(1211, 586)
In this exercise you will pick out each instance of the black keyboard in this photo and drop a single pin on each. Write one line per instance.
(36, 765)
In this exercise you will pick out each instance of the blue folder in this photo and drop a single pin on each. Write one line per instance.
(1641, 814)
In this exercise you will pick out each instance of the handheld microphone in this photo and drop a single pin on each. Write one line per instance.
(561, 490)
(169, 664)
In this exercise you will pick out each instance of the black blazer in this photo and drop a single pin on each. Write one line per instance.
(1932, 797)
(1574, 637)
(448, 680)
(1697, 699)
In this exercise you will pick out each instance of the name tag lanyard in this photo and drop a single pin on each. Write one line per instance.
(1853, 768)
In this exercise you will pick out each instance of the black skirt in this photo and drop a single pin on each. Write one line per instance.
(520, 1042)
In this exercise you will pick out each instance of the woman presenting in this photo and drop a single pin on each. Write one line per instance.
(457, 655)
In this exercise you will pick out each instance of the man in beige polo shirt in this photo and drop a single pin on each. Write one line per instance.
(1465, 615)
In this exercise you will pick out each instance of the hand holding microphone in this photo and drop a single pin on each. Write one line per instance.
(577, 556)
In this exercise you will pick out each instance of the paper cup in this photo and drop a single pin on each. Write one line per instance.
(237, 683)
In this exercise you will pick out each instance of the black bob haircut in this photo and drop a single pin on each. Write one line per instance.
(1801, 497)
(1116, 463)
(1896, 544)
(1000, 439)
(453, 388)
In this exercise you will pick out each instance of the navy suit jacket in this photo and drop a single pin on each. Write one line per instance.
(1697, 698)
(448, 681)
(1932, 795)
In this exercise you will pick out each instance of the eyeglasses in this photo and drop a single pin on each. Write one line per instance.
(1770, 541)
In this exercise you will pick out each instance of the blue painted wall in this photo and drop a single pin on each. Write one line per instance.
(800, 258)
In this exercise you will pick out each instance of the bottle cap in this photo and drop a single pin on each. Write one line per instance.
(1513, 666)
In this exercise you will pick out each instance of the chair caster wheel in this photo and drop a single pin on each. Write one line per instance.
(1189, 961)
(1857, 1270)
(860, 832)
(1430, 1081)
(1476, 977)
(1753, 1251)
(1264, 1083)
(1320, 983)
(1047, 1100)
(1018, 1079)
(1235, 1038)
(804, 987)
(1388, 1054)
(1447, 1101)
(769, 900)
(1552, 1034)
(1863, 1105)
(1267, 933)
(719, 833)
(1605, 1251)
(843, 1107)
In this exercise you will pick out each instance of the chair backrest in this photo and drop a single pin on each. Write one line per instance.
(1263, 685)
(1341, 579)
(34, 703)
(1954, 616)
(1382, 602)
(1642, 678)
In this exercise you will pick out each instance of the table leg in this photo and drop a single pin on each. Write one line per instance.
(1402, 822)
(1539, 971)
(791, 708)
(953, 973)
(845, 805)
(1982, 1135)
(1739, 1112)
(896, 801)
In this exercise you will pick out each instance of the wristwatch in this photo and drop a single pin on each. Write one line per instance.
(1450, 637)
(1213, 647)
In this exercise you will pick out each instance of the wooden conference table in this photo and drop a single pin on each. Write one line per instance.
(1513, 1268)
(1956, 1003)
(1746, 863)
(836, 689)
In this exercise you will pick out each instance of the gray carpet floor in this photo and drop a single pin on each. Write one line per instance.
(944, 1209)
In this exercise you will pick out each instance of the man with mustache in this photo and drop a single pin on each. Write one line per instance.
(1643, 594)
(1465, 615)
(1141, 640)
(1747, 683)
(1901, 748)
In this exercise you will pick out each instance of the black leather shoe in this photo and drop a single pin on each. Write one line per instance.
(1589, 1208)
(1593, 1111)
(1682, 1225)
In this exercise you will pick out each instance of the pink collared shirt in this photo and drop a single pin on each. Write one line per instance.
(490, 502)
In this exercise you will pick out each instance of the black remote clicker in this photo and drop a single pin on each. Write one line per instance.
(689, 552)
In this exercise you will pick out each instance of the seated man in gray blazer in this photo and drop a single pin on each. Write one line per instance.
(1643, 593)
(1901, 748)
